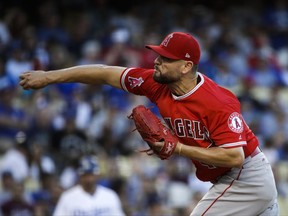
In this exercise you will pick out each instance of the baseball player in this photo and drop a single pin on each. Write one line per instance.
(87, 198)
(205, 117)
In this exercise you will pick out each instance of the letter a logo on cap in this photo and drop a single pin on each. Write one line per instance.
(167, 39)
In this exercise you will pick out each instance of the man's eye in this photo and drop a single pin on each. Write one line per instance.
(167, 59)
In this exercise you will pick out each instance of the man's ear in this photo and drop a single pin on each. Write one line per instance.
(187, 67)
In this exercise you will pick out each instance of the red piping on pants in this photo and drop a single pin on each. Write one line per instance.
(222, 193)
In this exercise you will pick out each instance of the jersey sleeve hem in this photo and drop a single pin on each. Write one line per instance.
(122, 78)
(233, 145)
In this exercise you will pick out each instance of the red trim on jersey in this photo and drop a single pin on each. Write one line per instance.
(192, 91)
(122, 79)
(233, 145)
(222, 193)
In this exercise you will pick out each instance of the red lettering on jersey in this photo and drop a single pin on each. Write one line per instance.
(169, 123)
(207, 136)
(135, 81)
(198, 133)
(179, 127)
(189, 128)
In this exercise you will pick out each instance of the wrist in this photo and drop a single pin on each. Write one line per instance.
(55, 76)
(180, 148)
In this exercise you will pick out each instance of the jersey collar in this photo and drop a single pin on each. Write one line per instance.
(192, 91)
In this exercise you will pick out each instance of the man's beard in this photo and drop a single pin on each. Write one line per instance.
(164, 79)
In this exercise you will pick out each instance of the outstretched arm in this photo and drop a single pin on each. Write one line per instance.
(88, 74)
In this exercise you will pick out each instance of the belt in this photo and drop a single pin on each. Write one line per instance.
(255, 152)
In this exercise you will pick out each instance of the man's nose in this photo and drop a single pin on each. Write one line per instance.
(157, 60)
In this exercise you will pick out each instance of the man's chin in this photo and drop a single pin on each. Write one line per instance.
(156, 77)
(160, 80)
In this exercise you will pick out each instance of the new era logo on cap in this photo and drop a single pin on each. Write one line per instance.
(178, 45)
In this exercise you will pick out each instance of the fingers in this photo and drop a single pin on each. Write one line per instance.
(24, 75)
(147, 151)
(26, 81)
(23, 83)
(159, 145)
(26, 87)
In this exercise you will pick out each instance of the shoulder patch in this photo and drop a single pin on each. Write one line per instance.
(235, 122)
(135, 81)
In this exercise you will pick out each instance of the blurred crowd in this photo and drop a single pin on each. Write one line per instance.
(43, 133)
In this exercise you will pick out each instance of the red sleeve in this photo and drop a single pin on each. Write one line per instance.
(140, 81)
(228, 127)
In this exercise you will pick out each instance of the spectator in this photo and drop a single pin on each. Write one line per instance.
(50, 29)
(45, 198)
(7, 182)
(12, 118)
(91, 53)
(264, 74)
(88, 198)
(17, 205)
(276, 23)
(15, 159)
(121, 52)
(39, 162)
(17, 63)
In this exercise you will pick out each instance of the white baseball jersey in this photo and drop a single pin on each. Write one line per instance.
(76, 201)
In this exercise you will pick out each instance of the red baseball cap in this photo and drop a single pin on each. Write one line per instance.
(178, 45)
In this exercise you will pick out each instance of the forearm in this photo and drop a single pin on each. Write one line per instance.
(216, 156)
(89, 74)
(84, 74)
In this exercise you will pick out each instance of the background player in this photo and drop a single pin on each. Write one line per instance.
(205, 117)
(88, 198)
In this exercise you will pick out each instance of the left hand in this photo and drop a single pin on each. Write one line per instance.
(33, 80)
